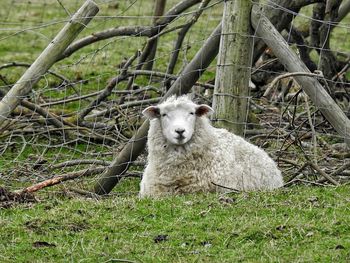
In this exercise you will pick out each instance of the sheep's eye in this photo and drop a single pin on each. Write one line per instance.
(192, 113)
(164, 114)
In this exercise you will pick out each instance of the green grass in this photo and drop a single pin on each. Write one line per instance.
(29, 30)
(300, 224)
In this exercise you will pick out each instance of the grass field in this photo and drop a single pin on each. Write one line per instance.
(296, 224)
(300, 224)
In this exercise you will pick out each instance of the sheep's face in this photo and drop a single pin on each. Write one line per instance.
(177, 119)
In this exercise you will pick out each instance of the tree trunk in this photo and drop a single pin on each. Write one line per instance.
(47, 58)
(328, 61)
(230, 101)
(158, 11)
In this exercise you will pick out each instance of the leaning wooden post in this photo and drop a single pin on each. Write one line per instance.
(319, 96)
(137, 143)
(344, 9)
(47, 58)
(230, 101)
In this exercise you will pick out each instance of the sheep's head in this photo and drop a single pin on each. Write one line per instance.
(177, 117)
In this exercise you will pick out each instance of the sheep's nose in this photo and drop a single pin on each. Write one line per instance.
(180, 131)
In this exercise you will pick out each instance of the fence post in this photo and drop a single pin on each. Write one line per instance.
(47, 58)
(231, 91)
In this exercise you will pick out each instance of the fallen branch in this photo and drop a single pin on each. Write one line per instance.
(232, 190)
(287, 75)
(49, 117)
(93, 94)
(110, 111)
(325, 175)
(301, 168)
(336, 172)
(136, 31)
(61, 178)
(77, 162)
(302, 181)
(8, 198)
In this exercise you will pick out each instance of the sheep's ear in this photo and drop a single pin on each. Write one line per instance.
(151, 112)
(203, 110)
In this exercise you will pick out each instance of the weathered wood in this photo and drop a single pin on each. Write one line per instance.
(61, 178)
(318, 95)
(329, 64)
(47, 58)
(181, 37)
(182, 85)
(315, 24)
(158, 11)
(147, 31)
(275, 10)
(230, 101)
(344, 9)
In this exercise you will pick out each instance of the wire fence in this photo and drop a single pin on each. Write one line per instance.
(82, 112)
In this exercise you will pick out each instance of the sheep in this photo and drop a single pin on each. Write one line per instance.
(187, 155)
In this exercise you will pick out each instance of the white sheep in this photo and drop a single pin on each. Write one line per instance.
(186, 154)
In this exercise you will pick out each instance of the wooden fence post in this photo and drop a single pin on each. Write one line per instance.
(47, 58)
(230, 101)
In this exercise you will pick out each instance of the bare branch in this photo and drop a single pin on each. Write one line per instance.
(77, 162)
(61, 178)
(182, 34)
(146, 31)
(158, 11)
(49, 117)
(136, 31)
(328, 177)
(287, 75)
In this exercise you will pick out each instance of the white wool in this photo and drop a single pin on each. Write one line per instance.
(209, 158)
